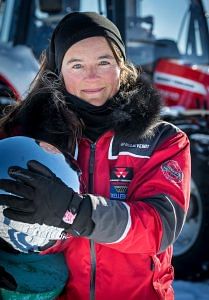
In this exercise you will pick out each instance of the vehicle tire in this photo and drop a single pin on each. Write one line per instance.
(191, 250)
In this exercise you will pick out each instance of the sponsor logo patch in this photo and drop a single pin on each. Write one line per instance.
(172, 171)
(120, 178)
(139, 146)
(118, 192)
(121, 174)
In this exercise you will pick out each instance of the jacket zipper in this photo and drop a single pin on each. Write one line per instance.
(92, 244)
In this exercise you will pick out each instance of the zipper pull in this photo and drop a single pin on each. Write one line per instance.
(92, 156)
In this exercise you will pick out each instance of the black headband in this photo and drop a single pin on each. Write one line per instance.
(75, 27)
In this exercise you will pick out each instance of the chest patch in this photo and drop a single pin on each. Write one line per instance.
(120, 178)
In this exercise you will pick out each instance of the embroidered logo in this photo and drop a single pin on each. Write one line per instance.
(121, 189)
(120, 178)
(172, 171)
(118, 192)
(69, 217)
(139, 146)
(121, 174)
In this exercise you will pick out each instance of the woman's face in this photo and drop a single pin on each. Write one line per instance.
(90, 71)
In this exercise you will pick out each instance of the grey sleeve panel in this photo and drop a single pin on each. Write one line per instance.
(172, 217)
(112, 220)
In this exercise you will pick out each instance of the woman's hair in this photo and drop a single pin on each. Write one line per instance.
(44, 115)
(129, 73)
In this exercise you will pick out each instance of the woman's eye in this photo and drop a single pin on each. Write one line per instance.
(104, 62)
(77, 66)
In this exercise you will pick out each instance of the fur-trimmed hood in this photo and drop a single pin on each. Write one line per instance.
(137, 109)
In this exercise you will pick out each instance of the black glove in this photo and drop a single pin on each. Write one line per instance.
(45, 200)
(7, 281)
(82, 224)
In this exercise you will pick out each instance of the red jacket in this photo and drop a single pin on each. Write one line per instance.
(143, 171)
(128, 255)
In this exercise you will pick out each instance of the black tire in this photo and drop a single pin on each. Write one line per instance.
(191, 250)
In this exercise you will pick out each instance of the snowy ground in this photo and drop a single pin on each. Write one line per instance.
(186, 290)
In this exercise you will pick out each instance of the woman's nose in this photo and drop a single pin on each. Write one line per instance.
(92, 72)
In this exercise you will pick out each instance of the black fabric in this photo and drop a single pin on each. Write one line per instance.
(7, 281)
(77, 26)
(132, 111)
(96, 118)
(83, 224)
(6, 247)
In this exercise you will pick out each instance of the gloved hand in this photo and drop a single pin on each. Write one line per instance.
(45, 199)
(82, 224)
(7, 281)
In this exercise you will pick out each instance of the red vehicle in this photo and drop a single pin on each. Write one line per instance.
(173, 47)
(182, 84)
(170, 41)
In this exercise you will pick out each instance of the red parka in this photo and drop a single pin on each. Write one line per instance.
(138, 175)
(146, 186)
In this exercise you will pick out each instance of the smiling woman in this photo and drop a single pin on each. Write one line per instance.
(131, 206)
(93, 74)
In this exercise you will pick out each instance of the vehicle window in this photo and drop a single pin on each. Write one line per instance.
(151, 21)
(42, 24)
(154, 26)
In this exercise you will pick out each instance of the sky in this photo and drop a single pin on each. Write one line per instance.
(168, 15)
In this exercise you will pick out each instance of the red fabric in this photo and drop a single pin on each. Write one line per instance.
(132, 268)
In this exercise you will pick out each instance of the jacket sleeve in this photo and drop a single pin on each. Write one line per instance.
(158, 199)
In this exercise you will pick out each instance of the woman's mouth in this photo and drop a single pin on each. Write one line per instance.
(92, 91)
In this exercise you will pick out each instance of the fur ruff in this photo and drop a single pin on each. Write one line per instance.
(136, 110)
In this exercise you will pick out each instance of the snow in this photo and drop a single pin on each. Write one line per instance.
(186, 290)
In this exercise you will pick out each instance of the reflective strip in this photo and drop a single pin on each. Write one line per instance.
(175, 218)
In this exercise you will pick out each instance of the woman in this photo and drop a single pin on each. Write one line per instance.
(136, 169)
